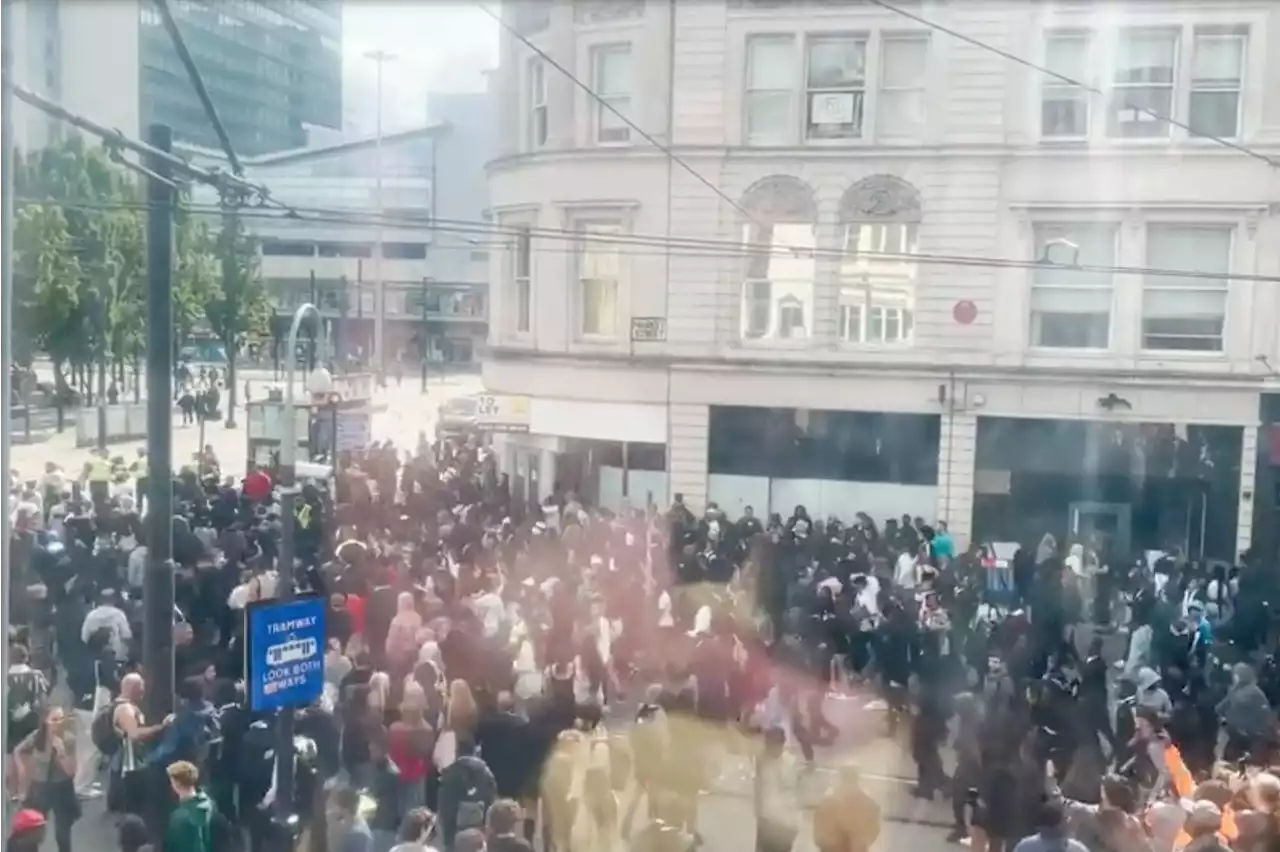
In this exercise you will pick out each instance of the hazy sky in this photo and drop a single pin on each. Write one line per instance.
(439, 46)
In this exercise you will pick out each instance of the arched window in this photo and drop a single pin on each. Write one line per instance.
(880, 219)
(777, 287)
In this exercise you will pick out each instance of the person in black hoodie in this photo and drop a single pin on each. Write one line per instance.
(506, 738)
(467, 789)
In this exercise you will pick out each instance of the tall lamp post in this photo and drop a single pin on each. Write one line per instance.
(380, 58)
(288, 524)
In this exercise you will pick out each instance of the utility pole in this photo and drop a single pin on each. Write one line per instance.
(230, 269)
(6, 314)
(157, 630)
(426, 350)
(100, 315)
(344, 308)
(315, 328)
(379, 57)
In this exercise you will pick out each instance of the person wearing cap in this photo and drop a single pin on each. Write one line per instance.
(27, 831)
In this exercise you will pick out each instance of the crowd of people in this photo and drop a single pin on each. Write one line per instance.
(556, 676)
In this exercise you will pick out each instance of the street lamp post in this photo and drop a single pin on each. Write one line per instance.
(379, 57)
(288, 522)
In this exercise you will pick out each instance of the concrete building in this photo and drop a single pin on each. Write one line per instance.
(812, 326)
(60, 52)
(435, 284)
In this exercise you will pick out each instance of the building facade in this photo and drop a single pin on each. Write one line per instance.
(886, 270)
(271, 66)
(434, 293)
(59, 52)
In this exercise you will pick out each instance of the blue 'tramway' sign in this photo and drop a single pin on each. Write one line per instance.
(284, 663)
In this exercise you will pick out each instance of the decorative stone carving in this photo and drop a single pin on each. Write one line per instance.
(604, 11)
(881, 197)
(781, 198)
(531, 16)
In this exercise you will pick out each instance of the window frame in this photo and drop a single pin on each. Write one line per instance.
(1050, 84)
(622, 102)
(1151, 284)
(1112, 87)
(864, 289)
(1241, 34)
(538, 130)
(747, 284)
(860, 92)
(1109, 287)
(522, 285)
(882, 88)
(785, 134)
(595, 224)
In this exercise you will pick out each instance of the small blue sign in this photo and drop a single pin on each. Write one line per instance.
(284, 654)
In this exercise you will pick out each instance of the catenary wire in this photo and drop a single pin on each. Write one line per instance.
(1071, 81)
(711, 249)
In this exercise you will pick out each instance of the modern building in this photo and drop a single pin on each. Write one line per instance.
(435, 288)
(271, 67)
(887, 270)
(74, 53)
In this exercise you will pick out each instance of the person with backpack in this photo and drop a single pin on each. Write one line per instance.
(191, 824)
(467, 789)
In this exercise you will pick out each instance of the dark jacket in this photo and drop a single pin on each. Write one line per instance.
(467, 789)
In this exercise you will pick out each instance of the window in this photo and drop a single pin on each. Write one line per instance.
(611, 77)
(903, 68)
(1064, 108)
(1186, 313)
(286, 248)
(537, 104)
(1142, 84)
(404, 251)
(599, 268)
(1217, 69)
(835, 86)
(877, 290)
(778, 291)
(770, 89)
(521, 279)
(1071, 309)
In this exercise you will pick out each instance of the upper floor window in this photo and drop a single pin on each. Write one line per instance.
(521, 299)
(903, 70)
(1217, 74)
(1071, 308)
(778, 281)
(1186, 313)
(1064, 108)
(611, 80)
(1146, 79)
(835, 87)
(537, 81)
(880, 216)
(770, 89)
(1142, 83)
(599, 279)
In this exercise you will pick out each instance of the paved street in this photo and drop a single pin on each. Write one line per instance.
(401, 412)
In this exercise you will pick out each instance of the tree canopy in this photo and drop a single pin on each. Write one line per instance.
(81, 264)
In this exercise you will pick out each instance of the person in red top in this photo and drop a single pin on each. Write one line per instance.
(257, 485)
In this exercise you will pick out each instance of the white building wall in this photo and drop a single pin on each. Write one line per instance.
(984, 178)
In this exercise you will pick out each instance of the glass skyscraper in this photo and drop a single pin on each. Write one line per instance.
(270, 66)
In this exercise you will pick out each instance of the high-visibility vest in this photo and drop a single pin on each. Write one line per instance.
(99, 470)
(303, 515)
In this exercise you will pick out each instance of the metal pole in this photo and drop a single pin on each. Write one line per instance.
(315, 329)
(288, 524)
(380, 315)
(6, 317)
(230, 269)
(100, 303)
(426, 350)
(158, 581)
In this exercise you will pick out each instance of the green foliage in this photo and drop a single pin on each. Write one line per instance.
(81, 262)
(240, 307)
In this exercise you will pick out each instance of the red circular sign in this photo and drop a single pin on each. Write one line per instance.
(964, 312)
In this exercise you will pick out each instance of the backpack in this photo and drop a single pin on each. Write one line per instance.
(106, 739)
(27, 691)
(476, 795)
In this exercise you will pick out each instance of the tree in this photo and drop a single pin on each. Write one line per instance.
(240, 305)
(197, 279)
(101, 241)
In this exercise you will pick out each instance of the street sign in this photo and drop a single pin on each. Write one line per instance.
(355, 430)
(648, 329)
(284, 654)
(499, 412)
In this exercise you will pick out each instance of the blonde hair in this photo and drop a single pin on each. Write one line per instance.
(461, 712)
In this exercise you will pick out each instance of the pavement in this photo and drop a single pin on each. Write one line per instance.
(400, 413)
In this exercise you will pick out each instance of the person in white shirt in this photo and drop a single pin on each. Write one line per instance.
(904, 574)
(107, 615)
